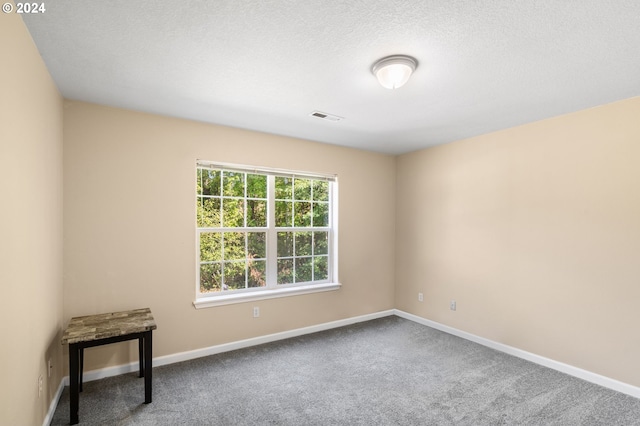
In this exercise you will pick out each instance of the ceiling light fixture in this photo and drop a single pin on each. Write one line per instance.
(394, 71)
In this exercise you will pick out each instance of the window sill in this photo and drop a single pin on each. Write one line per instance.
(228, 299)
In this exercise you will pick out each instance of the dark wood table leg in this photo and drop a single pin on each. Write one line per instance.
(74, 370)
(148, 344)
(141, 356)
(81, 354)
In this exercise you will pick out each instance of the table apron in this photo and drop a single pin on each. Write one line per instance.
(109, 340)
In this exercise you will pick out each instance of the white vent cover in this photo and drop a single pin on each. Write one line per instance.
(326, 116)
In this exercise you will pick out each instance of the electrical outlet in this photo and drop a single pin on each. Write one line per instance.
(420, 297)
(50, 367)
(256, 311)
(40, 382)
(452, 305)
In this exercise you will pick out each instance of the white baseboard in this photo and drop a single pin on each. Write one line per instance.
(226, 347)
(537, 359)
(54, 403)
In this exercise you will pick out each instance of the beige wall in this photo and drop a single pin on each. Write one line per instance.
(30, 228)
(130, 232)
(535, 232)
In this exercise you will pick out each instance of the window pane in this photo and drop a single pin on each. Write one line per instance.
(210, 277)
(302, 214)
(320, 190)
(285, 271)
(283, 188)
(321, 271)
(256, 213)
(209, 181)
(303, 269)
(320, 214)
(234, 275)
(233, 184)
(234, 246)
(283, 213)
(302, 189)
(210, 246)
(256, 186)
(257, 276)
(303, 243)
(285, 244)
(232, 213)
(320, 243)
(256, 245)
(198, 181)
(208, 212)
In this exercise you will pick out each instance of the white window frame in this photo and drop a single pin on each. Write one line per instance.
(272, 290)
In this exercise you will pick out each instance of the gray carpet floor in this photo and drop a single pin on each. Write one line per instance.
(388, 371)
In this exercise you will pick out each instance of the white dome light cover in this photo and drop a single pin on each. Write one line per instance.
(394, 71)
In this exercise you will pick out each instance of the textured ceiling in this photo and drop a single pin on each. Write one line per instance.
(266, 65)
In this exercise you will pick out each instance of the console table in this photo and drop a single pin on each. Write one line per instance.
(102, 329)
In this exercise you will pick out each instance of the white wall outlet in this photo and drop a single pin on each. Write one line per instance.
(40, 383)
(420, 297)
(256, 311)
(452, 305)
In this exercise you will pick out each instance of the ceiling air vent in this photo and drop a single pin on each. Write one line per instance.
(325, 116)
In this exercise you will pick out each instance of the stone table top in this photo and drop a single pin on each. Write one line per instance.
(102, 326)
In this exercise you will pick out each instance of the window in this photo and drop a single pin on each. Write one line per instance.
(263, 233)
